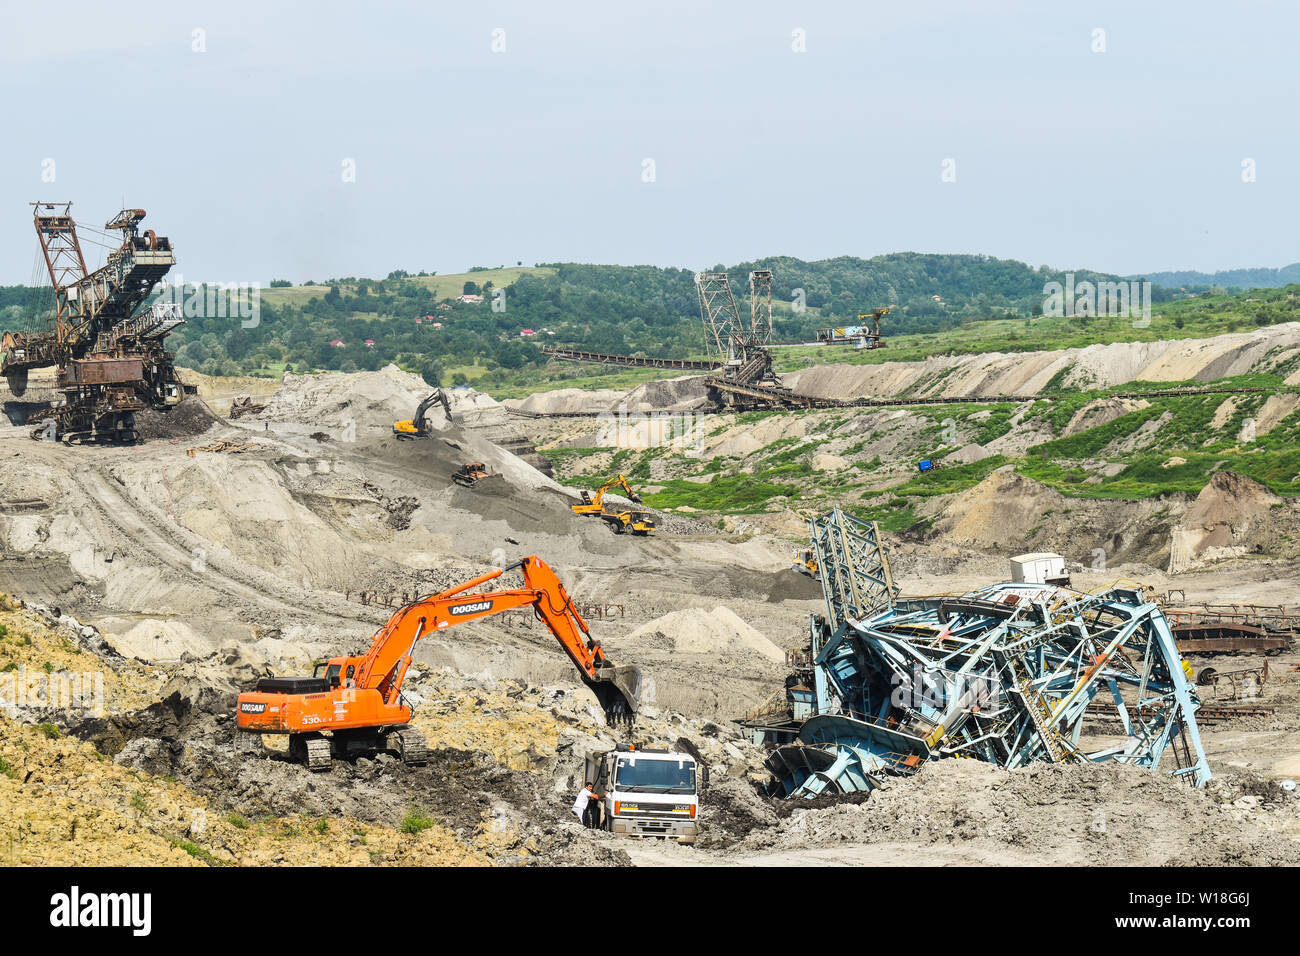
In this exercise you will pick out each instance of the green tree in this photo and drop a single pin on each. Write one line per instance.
(433, 371)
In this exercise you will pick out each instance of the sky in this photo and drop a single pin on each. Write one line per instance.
(310, 141)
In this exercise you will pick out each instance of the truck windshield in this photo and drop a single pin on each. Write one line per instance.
(655, 776)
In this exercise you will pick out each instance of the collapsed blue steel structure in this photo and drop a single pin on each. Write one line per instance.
(1005, 674)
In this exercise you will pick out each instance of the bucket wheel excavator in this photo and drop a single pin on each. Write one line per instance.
(109, 351)
(355, 706)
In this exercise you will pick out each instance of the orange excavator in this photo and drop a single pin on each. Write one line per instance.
(356, 705)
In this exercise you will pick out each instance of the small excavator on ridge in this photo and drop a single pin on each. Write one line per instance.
(416, 426)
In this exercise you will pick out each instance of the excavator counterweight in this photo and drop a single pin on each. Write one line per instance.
(357, 700)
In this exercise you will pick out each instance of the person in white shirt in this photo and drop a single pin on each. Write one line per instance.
(585, 796)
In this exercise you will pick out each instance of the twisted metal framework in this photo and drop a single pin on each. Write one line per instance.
(1003, 674)
(854, 566)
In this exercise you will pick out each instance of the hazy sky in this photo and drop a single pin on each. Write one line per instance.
(1126, 160)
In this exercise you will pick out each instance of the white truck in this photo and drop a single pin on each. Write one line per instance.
(647, 793)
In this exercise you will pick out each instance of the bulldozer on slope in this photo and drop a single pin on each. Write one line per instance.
(471, 473)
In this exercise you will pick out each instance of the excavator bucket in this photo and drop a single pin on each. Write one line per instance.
(619, 690)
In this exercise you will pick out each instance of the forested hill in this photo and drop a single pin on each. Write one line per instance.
(419, 322)
(1228, 279)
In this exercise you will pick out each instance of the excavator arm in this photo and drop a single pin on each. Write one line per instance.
(593, 503)
(385, 664)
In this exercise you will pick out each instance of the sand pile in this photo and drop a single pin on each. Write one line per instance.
(333, 399)
(476, 409)
(683, 393)
(719, 633)
(567, 401)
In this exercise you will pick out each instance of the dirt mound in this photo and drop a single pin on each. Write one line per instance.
(1009, 513)
(999, 511)
(790, 585)
(670, 394)
(1091, 814)
(189, 419)
(340, 401)
(1227, 506)
(719, 633)
(731, 810)
(1233, 515)
(566, 401)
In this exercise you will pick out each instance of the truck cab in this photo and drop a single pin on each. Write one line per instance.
(647, 793)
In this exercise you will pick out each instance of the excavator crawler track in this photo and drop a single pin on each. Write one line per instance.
(410, 746)
(314, 751)
(319, 757)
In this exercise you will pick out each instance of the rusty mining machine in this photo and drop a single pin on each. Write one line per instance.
(109, 352)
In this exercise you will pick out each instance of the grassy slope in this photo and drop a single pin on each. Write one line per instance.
(1184, 451)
